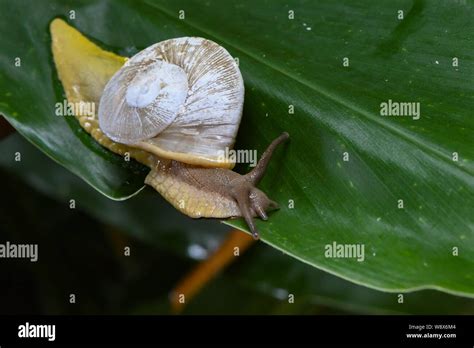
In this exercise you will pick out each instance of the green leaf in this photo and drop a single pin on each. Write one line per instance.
(299, 62)
(258, 271)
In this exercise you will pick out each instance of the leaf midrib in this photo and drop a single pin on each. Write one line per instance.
(428, 148)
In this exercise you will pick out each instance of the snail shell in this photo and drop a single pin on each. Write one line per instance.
(179, 99)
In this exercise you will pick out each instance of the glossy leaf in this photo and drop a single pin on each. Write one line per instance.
(392, 184)
(258, 271)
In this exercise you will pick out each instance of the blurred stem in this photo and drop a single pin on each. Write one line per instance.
(235, 244)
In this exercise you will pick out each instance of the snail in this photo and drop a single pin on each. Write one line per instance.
(175, 107)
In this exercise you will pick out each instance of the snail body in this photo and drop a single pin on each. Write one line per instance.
(175, 107)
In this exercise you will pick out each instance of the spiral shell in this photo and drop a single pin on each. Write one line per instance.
(180, 99)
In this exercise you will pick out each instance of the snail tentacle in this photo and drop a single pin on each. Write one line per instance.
(257, 173)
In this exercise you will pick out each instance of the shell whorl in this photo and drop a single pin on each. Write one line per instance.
(180, 99)
(141, 100)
